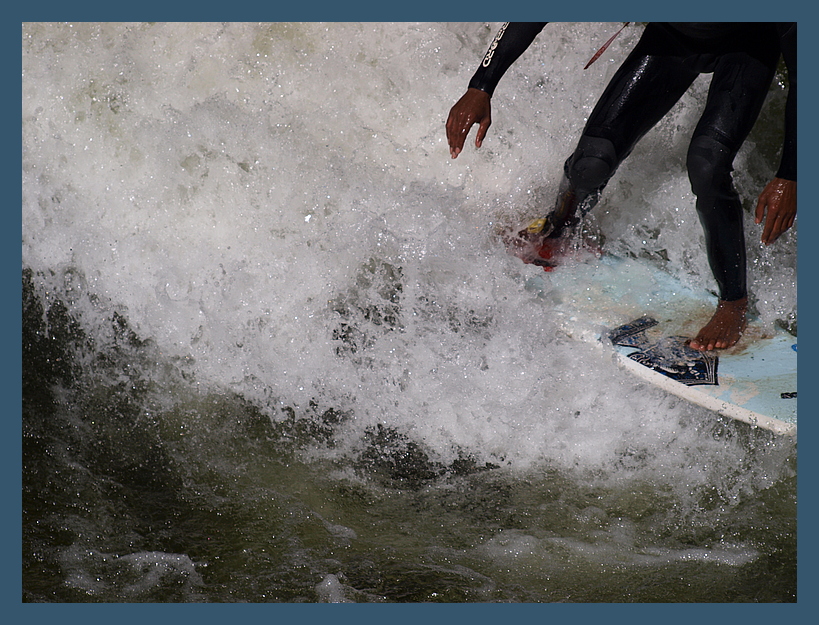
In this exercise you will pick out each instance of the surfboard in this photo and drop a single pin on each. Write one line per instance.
(644, 316)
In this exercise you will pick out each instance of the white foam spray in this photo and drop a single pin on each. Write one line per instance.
(274, 205)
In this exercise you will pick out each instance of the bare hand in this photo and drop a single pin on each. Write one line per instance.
(472, 108)
(777, 205)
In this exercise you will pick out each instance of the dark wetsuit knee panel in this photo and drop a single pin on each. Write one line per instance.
(709, 165)
(586, 173)
(720, 213)
(592, 164)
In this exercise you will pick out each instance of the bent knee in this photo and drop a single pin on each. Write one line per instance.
(592, 164)
(709, 165)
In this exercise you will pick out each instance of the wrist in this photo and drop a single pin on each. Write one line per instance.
(479, 91)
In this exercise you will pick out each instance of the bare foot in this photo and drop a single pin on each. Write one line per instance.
(725, 328)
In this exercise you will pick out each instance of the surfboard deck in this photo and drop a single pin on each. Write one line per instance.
(644, 315)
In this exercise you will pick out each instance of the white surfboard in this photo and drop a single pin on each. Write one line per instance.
(644, 315)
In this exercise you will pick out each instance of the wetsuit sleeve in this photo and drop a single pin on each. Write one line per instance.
(510, 42)
(787, 43)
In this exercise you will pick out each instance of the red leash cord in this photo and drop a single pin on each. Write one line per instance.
(605, 45)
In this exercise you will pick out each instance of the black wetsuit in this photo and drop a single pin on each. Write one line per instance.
(663, 65)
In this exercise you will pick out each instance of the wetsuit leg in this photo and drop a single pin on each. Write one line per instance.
(640, 94)
(720, 212)
(737, 92)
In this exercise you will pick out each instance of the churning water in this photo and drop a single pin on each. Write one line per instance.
(274, 349)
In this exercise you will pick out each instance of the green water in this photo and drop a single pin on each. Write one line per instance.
(140, 487)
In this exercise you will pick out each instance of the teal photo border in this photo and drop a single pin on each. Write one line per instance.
(423, 10)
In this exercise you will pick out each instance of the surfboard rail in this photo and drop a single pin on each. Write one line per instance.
(693, 395)
(756, 383)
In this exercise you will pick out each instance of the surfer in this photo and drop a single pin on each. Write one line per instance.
(742, 58)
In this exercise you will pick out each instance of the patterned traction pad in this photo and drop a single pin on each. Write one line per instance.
(669, 355)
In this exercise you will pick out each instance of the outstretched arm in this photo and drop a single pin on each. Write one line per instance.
(474, 106)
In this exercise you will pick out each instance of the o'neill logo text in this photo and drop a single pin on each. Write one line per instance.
(490, 53)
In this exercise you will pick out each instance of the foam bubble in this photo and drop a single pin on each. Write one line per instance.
(331, 590)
